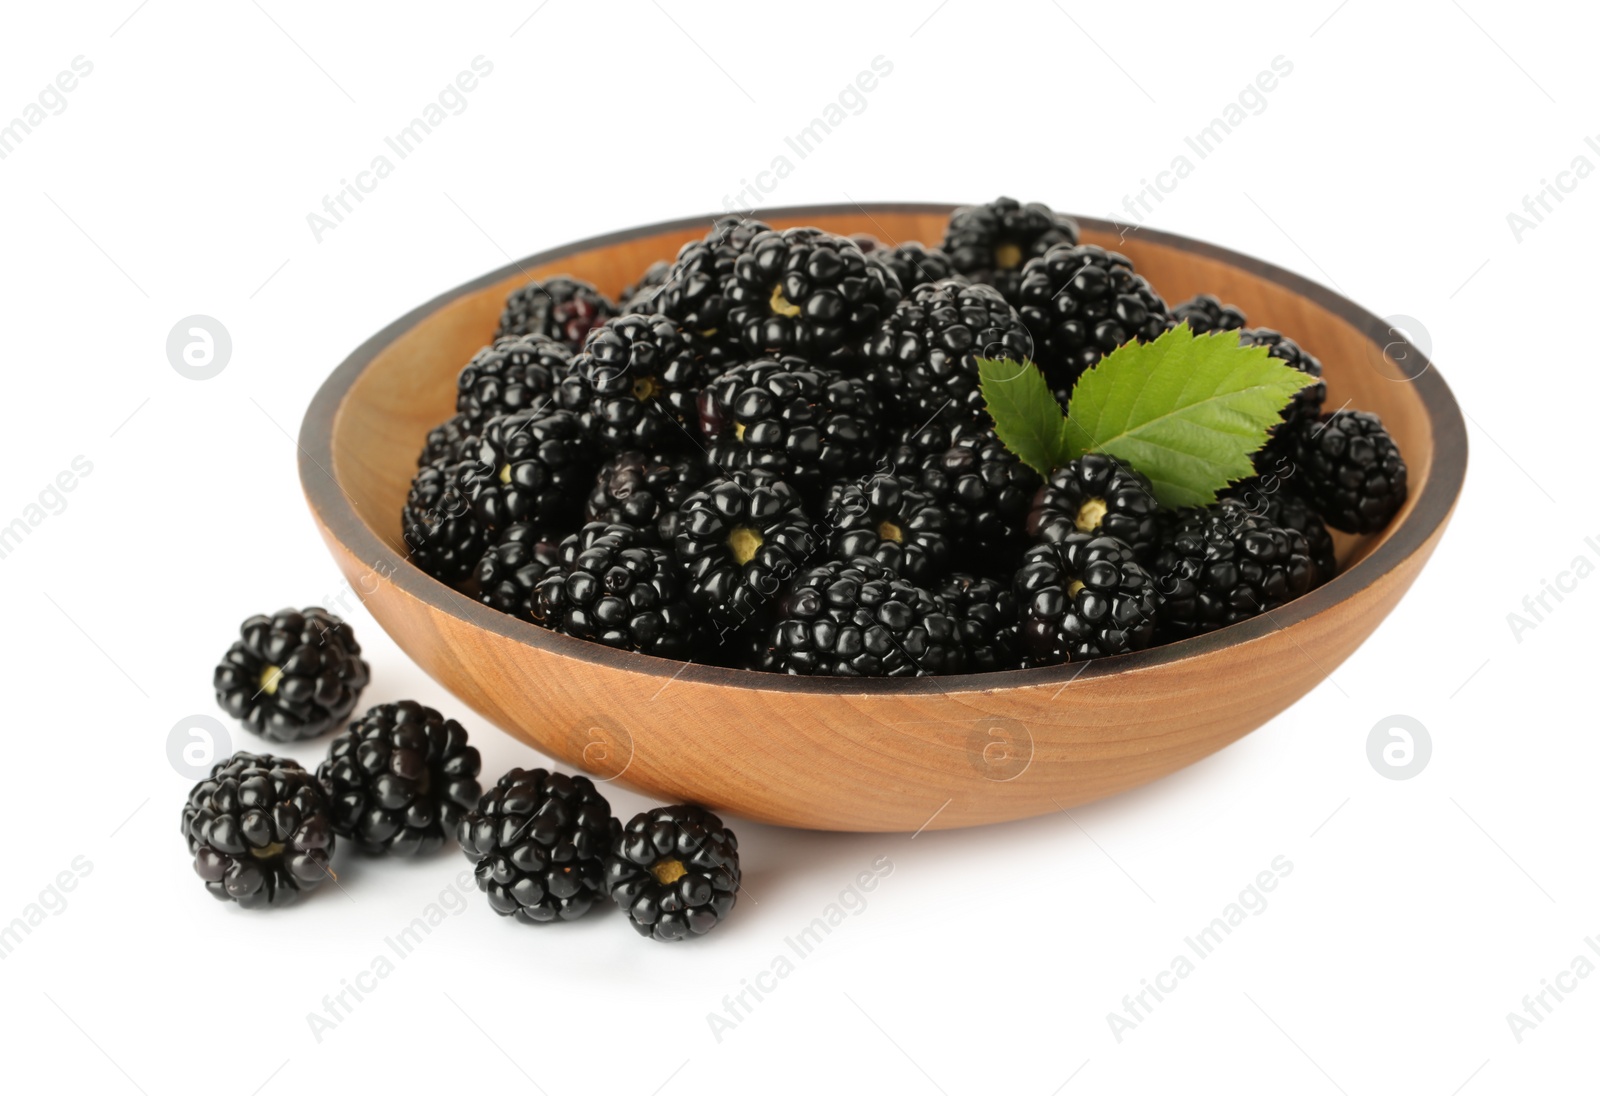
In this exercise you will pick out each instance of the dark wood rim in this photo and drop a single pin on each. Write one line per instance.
(1429, 512)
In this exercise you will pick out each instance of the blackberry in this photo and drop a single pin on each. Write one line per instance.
(1223, 564)
(890, 520)
(398, 779)
(985, 610)
(441, 532)
(538, 840)
(643, 377)
(857, 618)
(867, 242)
(1349, 469)
(915, 264)
(641, 295)
(293, 675)
(990, 243)
(740, 538)
(515, 374)
(532, 466)
(987, 490)
(808, 425)
(807, 292)
(509, 570)
(259, 830)
(562, 308)
(1274, 502)
(1081, 303)
(923, 358)
(1100, 495)
(622, 593)
(695, 291)
(448, 442)
(639, 490)
(674, 871)
(1205, 314)
(1083, 597)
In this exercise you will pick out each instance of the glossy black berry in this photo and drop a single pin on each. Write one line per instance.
(985, 610)
(888, 518)
(1223, 564)
(1349, 469)
(449, 442)
(695, 290)
(915, 264)
(259, 830)
(1205, 313)
(643, 375)
(539, 841)
(923, 358)
(990, 243)
(857, 618)
(674, 871)
(808, 425)
(443, 535)
(1081, 303)
(640, 489)
(533, 466)
(562, 308)
(1081, 597)
(515, 374)
(1275, 501)
(987, 491)
(513, 565)
(398, 779)
(293, 675)
(621, 592)
(640, 296)
(1100, 495)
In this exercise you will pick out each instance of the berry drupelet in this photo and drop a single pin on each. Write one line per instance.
(293, 675)
(641, 489)
(538, 840)
(1349, 468)
(398, 779)
(442, 533)
(618, 591)
(674, 871)
(887, 518)
(515, 374)
(642, 374)
(562, 308)
(531, 467)
(260, 831)
(990, 243)
(1081, 597)
(808, 425)
(1100, 495)
(1223, 564)
(923, 359)
(857, 618)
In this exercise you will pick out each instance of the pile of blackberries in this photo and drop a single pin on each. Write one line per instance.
(775, 455)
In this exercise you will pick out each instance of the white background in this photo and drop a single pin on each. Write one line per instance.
(178, 180)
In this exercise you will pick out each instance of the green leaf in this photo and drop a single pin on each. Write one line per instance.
(1185, 410)
(1027, 418)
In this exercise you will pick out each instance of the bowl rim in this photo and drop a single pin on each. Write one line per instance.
(335, 510)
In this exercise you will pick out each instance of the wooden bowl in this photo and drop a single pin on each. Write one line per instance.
(845, 754)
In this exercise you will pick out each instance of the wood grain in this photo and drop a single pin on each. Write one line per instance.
(882, 755)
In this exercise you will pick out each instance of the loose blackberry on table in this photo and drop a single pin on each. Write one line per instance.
(398, 779)
(674, 871)
(990, 243)
(889, 519)
(1100, 495)
(293, 675)
(1349, 469)
(562, 308)
(538, 840)
(1083, 596)
(260, 831)
(643, 376)
(1223, 564)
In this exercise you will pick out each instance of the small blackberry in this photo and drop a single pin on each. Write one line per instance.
(986, 489)
(1081, 303)
(1083, 597)
(985, 610)
(1273, 501)
(562, 308)
(806, 292)
(914, 264)
(857, 618)
(887, 518)
(695, 291)
(1349, 469)
(808, 425)
(640, 297)
(449, 442)
(740, 538)
(1100, 495)
(639, 490)
(1223, 564)
(538, 841)
(532, 466)
(643, 377)
(441, 532)
(990, 243)
(509, 570)
(674, 871)
(1204, 314)
(923, 358)
(515, 374)
(259, 830)
(398, 778)
(867, 242)
(293, 675)
(622, 593)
